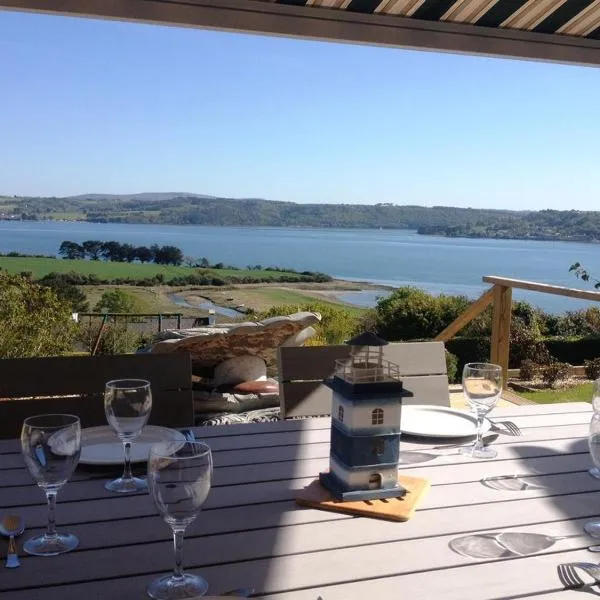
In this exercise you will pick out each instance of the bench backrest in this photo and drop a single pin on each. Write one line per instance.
(75, 385)
(303, 369)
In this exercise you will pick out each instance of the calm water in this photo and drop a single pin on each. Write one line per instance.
(393, 258)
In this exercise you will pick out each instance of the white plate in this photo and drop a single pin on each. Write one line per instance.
(439, 422)
(101, 446)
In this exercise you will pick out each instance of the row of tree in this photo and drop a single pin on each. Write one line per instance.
(117, 252)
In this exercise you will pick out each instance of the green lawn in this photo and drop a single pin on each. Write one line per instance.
(578, 393)
(112, 270)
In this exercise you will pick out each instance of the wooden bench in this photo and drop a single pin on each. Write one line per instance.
(75, 385)
(303, 369)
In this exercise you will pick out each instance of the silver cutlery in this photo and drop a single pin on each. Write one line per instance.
(189, 435)
(511, 483)
(570, 574)
(569, 577)
(11, 526)
(506, 427)
(487, 439)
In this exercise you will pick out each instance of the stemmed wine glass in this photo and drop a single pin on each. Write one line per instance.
(595, 470)
(127, 404)
(593, 527)
(482, 385)
(51, 445)
(179, 478)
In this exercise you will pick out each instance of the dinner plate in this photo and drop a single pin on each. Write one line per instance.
(101, 446)
(439, 422)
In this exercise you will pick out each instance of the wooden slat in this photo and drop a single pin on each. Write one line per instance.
(252, 534)
(543, 287)
(82, 378)
(466, 317)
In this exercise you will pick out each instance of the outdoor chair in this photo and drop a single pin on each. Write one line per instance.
(302, 370)
(75, 385)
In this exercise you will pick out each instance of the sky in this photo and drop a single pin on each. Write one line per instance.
(95, 106)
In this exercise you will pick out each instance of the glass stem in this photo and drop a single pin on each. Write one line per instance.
(127, 474)
(479, 440)
(51, 499)
(178, 545)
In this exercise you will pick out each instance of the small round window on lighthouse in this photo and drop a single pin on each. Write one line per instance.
(377, 416)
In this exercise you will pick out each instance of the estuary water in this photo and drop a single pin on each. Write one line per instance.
(385, 257)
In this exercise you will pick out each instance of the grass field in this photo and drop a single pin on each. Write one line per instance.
(577, 393)
(113, 270)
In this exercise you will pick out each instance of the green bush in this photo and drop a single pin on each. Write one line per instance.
(410, 314)
(33, 321)
(592, 368)
(118, 301)
(529, 370)
(116, 338)
(555, 371)
(337, 324)
(452, 367)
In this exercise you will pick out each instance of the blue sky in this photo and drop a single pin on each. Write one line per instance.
(101, 106)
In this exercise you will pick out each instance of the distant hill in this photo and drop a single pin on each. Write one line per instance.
(147, 196)
(197, 209)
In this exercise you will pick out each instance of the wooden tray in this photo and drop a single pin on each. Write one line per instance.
(392, 509)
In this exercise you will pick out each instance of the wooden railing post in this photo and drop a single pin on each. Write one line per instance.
(502, 311)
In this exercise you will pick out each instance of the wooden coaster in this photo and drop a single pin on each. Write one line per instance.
(392, 509)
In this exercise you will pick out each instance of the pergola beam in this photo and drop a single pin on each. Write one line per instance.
(252, 16)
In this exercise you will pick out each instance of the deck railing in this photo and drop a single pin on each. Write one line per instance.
(500, 296)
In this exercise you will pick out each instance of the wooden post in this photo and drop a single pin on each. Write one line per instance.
(500, 343)
(178, 321)
(100, 332)
(160, 317)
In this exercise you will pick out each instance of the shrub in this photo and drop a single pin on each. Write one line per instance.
(529, 370)
(34, 322)
(592, 368)
(116, 338)
(452, 367)
(555, 371)
(336, 326)
(118, 301)
(410, 313)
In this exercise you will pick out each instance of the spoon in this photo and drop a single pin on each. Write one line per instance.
(10, 526)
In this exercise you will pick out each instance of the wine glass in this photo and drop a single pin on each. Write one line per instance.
(595, 470)
(51, 445)
(179, 477)
(593, 527)
(127, 404)
(482, 385)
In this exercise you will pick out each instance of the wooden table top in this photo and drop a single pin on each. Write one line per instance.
(252, 534)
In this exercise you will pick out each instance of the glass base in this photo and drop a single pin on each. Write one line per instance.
(51, 545)
(170, 587)
(485, 452)
(125, 485)
(592, 528)
(594, 472)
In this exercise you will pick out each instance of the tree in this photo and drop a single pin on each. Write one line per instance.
(143, 254)
(117, 301)
(92, 249)
(34, 321)
(71, 250)
(66, 291)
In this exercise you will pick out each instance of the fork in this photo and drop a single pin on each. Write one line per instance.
(506, 427)
(592, 569)
(568, 576)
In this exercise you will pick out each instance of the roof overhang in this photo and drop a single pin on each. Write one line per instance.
(564, 31)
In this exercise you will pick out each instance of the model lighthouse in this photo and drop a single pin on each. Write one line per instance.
(365, 424)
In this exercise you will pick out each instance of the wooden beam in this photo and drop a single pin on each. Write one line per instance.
(500, 343)
(465, 318)
(545, 288)
(310, 22)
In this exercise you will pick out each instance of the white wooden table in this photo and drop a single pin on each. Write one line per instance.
(253, 534)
